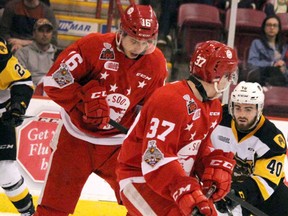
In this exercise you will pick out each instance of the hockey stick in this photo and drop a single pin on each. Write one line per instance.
(231, 196)
(118, 126)
(111, 122)
(23, 117)
(246, 205)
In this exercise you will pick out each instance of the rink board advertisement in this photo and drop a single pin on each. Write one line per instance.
(77, 26)
(35, 137)
(35, 140)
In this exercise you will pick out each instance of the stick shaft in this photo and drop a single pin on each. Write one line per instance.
(118, 126)
(246, 205)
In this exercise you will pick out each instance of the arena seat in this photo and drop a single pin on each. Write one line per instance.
(247, 28)
(276, 102)
(197, 23)
(284, 23)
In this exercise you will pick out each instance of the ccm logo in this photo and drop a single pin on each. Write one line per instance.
(222, 163)
(181, 191)
(8, 146)
(100, 94)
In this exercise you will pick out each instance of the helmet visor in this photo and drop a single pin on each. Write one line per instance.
(225, 81)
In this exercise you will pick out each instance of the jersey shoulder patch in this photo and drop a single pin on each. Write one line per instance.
(272, 136)
(280, 140)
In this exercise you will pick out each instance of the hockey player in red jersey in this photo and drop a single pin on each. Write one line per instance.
(98, 78)
(260, 152)
(166, 165)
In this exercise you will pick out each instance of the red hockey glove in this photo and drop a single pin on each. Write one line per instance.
(218, 170)
(188, 195)
(96, 108)
(196, 200)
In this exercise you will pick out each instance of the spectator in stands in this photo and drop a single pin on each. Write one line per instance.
(2, 5)
(47, 2)
(38, 56)
(272, 7)
(3, 2)
(266, 59)
(225, 4)
(18, 19)
(168, 16)
(280, 6)
(266, 6)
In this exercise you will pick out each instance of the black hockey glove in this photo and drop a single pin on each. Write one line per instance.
(12, 117)
(226, 205)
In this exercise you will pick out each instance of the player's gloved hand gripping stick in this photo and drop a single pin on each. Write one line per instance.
(12, 116)
(96, 109)
(209, 193)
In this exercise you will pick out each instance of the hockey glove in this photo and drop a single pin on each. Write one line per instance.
(218, 170)
(188, 195)
(12, 116)
(226, 205)
(96, 109)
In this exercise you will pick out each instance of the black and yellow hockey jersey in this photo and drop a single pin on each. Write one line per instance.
(260, 156)
(15, 80)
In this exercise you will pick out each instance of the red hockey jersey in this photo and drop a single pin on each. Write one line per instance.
(128, 82)
(168, 138)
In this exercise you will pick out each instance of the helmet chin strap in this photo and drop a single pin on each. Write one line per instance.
(118, 41)
(199, 87)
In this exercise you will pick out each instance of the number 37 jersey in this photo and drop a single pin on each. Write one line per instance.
(171, 135)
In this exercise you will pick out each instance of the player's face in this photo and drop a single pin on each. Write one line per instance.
(245, 115)
(133, 47)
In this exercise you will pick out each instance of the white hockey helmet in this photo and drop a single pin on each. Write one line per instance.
(248, 93)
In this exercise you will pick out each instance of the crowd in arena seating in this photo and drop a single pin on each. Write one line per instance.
(188, 29)
(181, 36)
